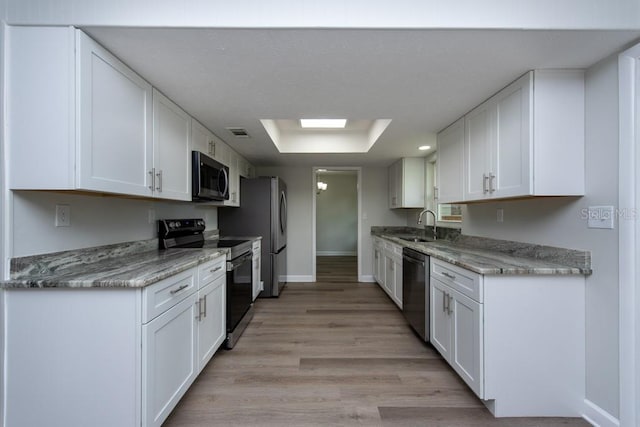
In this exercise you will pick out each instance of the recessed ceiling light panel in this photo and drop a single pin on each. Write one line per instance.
(424, 147)
(323, 123)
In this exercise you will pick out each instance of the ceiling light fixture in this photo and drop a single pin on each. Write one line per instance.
(322, 186)
(323, 123)
(424, 147)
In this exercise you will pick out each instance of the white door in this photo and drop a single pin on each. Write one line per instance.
(397, 280)
(211, 319)
(114, 152)
(511, 152)
(171, 153)
(440, 319)
(200, 138)
(477, 143)
(450, 163)
(169, 360)
(466, 335)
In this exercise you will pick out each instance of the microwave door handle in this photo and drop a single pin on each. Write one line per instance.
(223, 171)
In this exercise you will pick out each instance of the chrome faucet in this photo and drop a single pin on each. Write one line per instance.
(435, 235)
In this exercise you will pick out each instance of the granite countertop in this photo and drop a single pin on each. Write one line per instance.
(123, 265)
(493, 257)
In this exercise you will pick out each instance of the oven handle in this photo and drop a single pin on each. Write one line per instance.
(237, 262)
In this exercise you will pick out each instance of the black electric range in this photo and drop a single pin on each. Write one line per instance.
(189, 233)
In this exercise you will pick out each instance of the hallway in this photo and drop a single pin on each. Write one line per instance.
(338, 269)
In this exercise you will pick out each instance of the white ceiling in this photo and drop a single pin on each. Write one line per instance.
(421, 79)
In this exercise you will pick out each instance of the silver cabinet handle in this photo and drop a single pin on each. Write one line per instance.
(435, 193)
(484, 183)
(215, 269)
(198, 317)
(444, 302)
(491, 178)
(449, 305)
(178, 289)
(159, 175)
(205, 305)
(152, 172)
(450, 276)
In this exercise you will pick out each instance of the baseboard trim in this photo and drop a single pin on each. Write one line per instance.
(597, 416)
(366, 279)
(336, 253)
(298, 279)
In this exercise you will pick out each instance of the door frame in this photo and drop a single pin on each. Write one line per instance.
(314, 180)
(629, 235)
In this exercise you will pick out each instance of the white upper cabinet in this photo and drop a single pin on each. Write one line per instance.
(450, 163)
(201, 138)
(406, 183)
(114, 123)
(171, 152)
(88, 121)
(528, 139)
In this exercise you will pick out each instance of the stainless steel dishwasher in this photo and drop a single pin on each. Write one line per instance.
(416, 291)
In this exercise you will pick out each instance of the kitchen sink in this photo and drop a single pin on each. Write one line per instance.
(415, 239)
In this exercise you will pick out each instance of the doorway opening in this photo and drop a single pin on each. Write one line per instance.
(336, 224)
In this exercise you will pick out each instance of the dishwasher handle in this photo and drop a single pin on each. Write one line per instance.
(413, 260)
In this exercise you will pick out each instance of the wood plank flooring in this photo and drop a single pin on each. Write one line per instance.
(341, 269)
(334, 354)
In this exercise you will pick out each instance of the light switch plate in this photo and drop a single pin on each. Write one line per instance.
(600, 217)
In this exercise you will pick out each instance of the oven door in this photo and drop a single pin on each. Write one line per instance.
(239, 289)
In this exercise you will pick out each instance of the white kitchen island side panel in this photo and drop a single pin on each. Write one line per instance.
(46, 378)
(534, 345)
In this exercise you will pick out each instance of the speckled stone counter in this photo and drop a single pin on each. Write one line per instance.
(131, 265)
(492, 256)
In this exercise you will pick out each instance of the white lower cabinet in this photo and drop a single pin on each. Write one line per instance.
(456, 332)
(516, 340)
(388, 268)
(257, 284)
(137, 349)
(169, 344)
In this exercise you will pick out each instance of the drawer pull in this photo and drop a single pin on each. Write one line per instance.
(175, 291)
(215, 269)
(450, 276)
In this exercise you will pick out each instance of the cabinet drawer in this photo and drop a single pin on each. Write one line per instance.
(210, 271)
(464, 281)
(159, 297)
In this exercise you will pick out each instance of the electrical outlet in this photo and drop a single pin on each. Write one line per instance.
(600, 217)
(63, 216)
(500, 215)
(151, 215)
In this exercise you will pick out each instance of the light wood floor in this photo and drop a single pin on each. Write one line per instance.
(337, 269)
(334, 354)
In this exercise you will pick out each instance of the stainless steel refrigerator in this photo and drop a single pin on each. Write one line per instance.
(262, 212)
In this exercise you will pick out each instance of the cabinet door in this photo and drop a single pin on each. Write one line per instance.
(477, 143)
(440, 320)
(466, 334)
(511, 151)
(201, 138)
(377, 260)
(257, 266)
(394, 178)
(234, 181)
(397, 282)
(220, 151)
(450, 161)
(114, 141)
(412, 182)
(389, 276)
(171, 153)
(211, 319)
(169, 358)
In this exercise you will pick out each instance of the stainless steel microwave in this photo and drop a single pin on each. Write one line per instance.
(210, 178)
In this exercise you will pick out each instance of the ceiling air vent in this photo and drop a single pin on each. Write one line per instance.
(239, 132)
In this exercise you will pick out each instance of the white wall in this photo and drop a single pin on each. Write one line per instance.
(337, 215)
(331, 13)
(375, 211)
(561, 222)
(95, 220)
